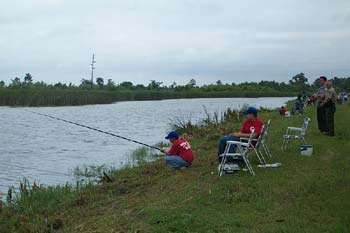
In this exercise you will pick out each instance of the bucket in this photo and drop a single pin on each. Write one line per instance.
(306, 150)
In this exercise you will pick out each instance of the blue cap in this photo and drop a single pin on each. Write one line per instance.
(252, 110)
(172, 134)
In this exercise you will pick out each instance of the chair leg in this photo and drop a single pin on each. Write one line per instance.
(267, 151)
(284, 144)
(260, 156)
(246, 160)
(223, 160)
(249, 166)
(257, 155)
(288, 141)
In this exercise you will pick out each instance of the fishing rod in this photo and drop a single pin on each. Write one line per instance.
(95, 129)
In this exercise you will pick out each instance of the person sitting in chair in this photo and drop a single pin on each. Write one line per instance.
(252, 122)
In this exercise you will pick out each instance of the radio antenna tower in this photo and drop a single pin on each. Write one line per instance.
(92, 69)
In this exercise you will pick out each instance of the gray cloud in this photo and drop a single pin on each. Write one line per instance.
(174, 40)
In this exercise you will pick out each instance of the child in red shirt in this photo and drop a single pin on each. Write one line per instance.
(180, 154)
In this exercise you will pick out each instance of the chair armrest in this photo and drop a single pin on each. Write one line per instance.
(247, 139)
(295, 129)
(245, 144)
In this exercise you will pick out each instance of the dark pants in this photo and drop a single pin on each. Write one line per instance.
(222, 145)
(329, 118)
(321, 118)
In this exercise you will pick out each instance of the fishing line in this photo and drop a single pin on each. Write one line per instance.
(95, 129)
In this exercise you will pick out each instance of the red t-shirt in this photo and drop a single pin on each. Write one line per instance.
(249, 125)
(183, 149)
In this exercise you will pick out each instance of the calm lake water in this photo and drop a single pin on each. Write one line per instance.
(44, 150)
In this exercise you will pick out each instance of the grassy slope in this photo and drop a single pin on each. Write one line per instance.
(307, 194)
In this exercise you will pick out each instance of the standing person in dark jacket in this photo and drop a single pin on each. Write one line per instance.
(320, 107)
(298, 106)
(329, 108)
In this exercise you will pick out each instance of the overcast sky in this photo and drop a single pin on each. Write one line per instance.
(174, 40)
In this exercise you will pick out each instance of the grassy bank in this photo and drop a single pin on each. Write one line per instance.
(306, 194)
(71, 97)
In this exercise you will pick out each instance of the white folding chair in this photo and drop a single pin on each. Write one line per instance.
(260, 148)
(242, 151)
(255, 145)
(295, 133)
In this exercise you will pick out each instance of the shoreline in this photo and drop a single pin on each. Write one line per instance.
(85, 97)
(123, 101)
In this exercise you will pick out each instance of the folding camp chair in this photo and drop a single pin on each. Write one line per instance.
(260, 147)
(242, 151)
(255, 145)
(295, 133)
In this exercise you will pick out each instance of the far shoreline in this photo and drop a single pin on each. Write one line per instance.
(145, 100)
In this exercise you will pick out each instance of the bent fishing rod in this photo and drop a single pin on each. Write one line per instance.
(95, 129)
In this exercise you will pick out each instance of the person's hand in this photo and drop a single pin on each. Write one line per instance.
(163, 150)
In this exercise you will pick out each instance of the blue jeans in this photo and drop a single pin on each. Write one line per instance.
(222, 145)
(176, 161)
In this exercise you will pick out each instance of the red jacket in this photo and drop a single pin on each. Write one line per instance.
(182, 148)
(249, 125)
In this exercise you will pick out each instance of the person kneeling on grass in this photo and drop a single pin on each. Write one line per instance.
(180, 155)
(251, 123)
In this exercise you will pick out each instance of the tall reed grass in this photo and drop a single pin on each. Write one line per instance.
(63, 97)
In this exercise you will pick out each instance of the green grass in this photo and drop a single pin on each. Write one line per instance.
(306, 194)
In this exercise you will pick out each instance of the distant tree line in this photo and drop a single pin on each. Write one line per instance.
(27, 92)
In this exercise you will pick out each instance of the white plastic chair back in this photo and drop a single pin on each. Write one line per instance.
(305, 126)
(266, 131)
(261, 136)
(263, 142)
